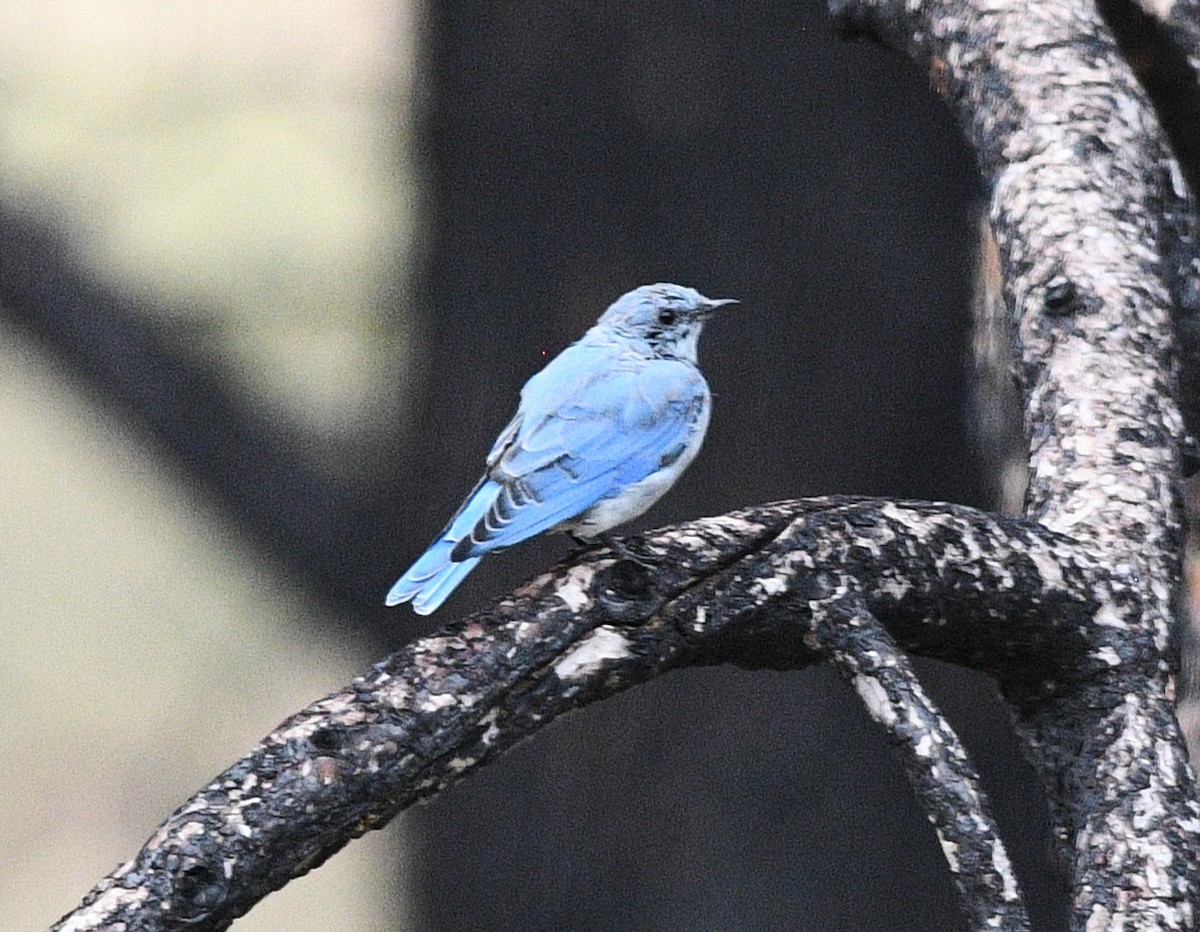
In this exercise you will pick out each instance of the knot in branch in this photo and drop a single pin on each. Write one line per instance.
(626, 590)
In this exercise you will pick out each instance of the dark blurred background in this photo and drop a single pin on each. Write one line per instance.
(547, 157)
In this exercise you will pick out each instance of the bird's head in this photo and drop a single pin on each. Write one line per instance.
(666, 317)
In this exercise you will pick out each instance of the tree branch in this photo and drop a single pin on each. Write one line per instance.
(1002, 595)
(929, 752)
(1091, 244)
(1161, 42)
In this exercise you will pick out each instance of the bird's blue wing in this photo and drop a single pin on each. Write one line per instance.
(431, 579)
(589, 425)
(614, 430)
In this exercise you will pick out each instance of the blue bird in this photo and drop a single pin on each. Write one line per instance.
(601, 433)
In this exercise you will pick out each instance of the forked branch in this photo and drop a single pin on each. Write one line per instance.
(754, 588)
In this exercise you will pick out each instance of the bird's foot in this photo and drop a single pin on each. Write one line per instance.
(617, 546)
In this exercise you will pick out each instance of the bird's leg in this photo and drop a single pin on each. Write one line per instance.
(623, 552)
(581, 544)
(604, 539)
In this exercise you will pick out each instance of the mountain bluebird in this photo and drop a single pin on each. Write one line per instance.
(601, 433)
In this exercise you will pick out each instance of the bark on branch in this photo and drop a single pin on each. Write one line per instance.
(753, 588)
(1069, 608)
(930, 753)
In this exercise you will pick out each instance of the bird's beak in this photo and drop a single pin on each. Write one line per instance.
(711, 304)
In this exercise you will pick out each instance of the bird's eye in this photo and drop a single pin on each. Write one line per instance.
(666, 317)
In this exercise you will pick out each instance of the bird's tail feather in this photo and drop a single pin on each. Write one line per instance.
(429, 581)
